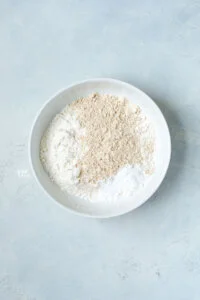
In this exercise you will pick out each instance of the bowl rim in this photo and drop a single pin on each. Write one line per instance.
(109, 215)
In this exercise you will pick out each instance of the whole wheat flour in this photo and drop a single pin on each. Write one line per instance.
(118, 134)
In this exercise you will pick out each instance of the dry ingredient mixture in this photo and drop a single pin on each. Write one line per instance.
(100, 147)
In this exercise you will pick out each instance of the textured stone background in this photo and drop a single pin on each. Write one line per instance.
(47, 253)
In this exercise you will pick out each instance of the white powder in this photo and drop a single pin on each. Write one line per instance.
(125, 183)
(61, 149)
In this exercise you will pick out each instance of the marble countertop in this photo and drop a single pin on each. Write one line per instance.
(48, 253)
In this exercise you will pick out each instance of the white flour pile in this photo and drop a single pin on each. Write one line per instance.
(99, 148)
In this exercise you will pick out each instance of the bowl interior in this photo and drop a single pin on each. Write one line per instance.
(115, 87)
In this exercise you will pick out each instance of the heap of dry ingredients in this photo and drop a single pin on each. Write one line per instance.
(100, 147)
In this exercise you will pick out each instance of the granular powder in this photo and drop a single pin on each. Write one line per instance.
(117, 134)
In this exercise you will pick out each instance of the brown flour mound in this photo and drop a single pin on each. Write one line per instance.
(117, 134)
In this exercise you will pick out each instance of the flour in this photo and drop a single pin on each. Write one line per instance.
(61, 148)
(100, 148)
(118, 134)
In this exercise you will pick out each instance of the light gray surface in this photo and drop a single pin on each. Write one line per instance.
(47, 253)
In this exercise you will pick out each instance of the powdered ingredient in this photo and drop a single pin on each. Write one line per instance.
(100, 148)
(60, 149)
(118, 134)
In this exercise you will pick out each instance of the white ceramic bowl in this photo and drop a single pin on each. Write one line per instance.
(118, 88)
